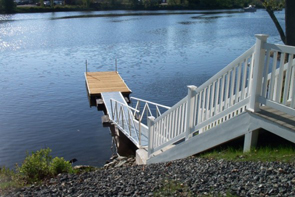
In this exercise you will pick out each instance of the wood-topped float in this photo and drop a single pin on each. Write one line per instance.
(98, 82)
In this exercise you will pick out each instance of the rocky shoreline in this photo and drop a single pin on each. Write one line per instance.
(187, 177)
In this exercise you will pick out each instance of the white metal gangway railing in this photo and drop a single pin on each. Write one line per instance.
(132, 121)
(253, 79)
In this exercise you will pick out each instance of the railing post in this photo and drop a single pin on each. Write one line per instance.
(189, 110)
(150, 122)
(256, 82)
(139, 131)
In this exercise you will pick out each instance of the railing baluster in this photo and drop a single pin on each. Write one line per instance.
(280, 80)
(217, 96)
(245, 71)
(139, 131)
(287, 79)
(203, 104)
(232, 86)
(238, 84)
(227, 89)
(250, 77)
(182, 115)
(222, 94)
(117, 115)
(265, 76)
(162, 133)
(195, 112)
(200, 107)
(212, 99)
(292, 88)
(273, 75)
(121, 110)
(129, 121)
(207, 101)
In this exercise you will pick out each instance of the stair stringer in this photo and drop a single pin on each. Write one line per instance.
(233, 128)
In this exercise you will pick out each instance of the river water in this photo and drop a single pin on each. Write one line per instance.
(43, 100)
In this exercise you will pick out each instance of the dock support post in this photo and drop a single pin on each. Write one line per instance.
(256, 82)
(151, 120)
(250, 140)
(86, 66)
(116, 65)
(189, 110)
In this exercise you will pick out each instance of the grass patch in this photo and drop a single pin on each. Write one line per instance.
(172, 188)
(9, 180)
(264, 154)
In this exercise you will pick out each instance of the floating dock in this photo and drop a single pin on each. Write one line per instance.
(99, 82)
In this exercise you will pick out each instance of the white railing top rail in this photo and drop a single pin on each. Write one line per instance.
(123, 104)
(278, 47)
(149, 102)
(147, 108)
(171, 109)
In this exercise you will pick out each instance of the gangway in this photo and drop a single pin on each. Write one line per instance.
(122, 115)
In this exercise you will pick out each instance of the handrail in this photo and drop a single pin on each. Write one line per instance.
(123, 104)
(146, 101)
(149, 108)
(228, 67)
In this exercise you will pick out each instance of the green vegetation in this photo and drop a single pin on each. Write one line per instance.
(9, 180)
(36, 167)
(172, 187)
(264, 154)
(9, 6)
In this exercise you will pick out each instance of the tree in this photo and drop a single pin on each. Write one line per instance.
(288, 37)
(7, 6)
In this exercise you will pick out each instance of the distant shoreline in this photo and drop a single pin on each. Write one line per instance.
(38, 9)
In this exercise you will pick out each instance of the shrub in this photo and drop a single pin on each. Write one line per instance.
(60, 165)
(36, 166)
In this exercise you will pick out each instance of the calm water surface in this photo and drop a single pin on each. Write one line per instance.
(43, 100)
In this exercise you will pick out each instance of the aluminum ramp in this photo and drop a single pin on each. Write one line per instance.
(122, 116)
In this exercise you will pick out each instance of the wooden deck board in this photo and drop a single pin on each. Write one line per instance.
(277, 116)
(98, 82)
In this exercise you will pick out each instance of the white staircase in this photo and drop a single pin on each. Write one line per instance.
(227, 106)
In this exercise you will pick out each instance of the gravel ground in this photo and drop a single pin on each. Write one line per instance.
(188, 177)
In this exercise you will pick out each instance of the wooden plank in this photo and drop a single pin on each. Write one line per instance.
(111, 81)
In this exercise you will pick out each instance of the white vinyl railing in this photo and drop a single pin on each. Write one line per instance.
(252, 80)
(278, 91)
(220, 98)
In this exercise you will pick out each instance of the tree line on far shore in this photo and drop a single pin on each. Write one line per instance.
(9, 6)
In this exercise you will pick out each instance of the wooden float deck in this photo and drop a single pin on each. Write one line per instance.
(98, 82)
